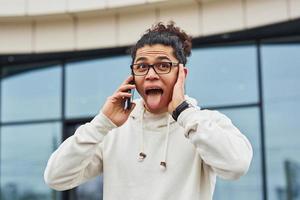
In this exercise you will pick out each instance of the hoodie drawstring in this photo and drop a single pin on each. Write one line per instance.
(163, 163)
(143, 155)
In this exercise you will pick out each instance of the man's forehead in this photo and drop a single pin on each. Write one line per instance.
(151, 52)
(156, 50)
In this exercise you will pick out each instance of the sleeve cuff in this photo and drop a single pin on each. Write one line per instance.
(184, 117)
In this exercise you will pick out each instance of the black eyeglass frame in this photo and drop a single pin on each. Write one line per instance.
(152, 66)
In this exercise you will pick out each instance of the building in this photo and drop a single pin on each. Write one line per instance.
(60, 59)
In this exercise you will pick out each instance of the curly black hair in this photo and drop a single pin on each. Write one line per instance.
(168, 35)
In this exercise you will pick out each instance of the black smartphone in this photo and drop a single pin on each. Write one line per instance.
(128, 101)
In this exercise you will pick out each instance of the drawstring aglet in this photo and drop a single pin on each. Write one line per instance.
(142, 156)
(163, 165)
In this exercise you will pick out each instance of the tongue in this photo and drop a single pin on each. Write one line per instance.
(153, 100)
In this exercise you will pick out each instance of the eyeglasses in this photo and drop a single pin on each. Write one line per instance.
(142, 69)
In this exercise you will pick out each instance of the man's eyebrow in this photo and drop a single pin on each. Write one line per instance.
(163, 58)
(141, 59)
(157, 58)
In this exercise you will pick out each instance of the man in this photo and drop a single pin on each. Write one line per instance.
(164, 146)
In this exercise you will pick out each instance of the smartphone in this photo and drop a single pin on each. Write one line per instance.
(128, 101)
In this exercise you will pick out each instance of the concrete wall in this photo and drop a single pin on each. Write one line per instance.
(33, 26)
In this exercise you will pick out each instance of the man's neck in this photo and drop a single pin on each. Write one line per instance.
(160, 111)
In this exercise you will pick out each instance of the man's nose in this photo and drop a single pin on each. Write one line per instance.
(152, 74)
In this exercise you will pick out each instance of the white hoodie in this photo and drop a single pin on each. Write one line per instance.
(196, 148)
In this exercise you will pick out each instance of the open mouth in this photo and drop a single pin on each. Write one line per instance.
(154, 91)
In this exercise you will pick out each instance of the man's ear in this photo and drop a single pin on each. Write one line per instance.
(185, 71)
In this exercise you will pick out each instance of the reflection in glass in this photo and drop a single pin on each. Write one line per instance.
(25, 150)
(281, 83)
(248, 187)
(91, 190)
(89, 83)
(31, 95)
(223, 75)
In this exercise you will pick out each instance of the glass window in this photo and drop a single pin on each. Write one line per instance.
(89, 83)
(91, 190)
(223, 75)
(31, 95)
(249, 186)
(281, 86)
(25, 150)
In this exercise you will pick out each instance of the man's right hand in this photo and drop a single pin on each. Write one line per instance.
(114, 105)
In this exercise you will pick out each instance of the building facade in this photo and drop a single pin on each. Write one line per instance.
(60, 59)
